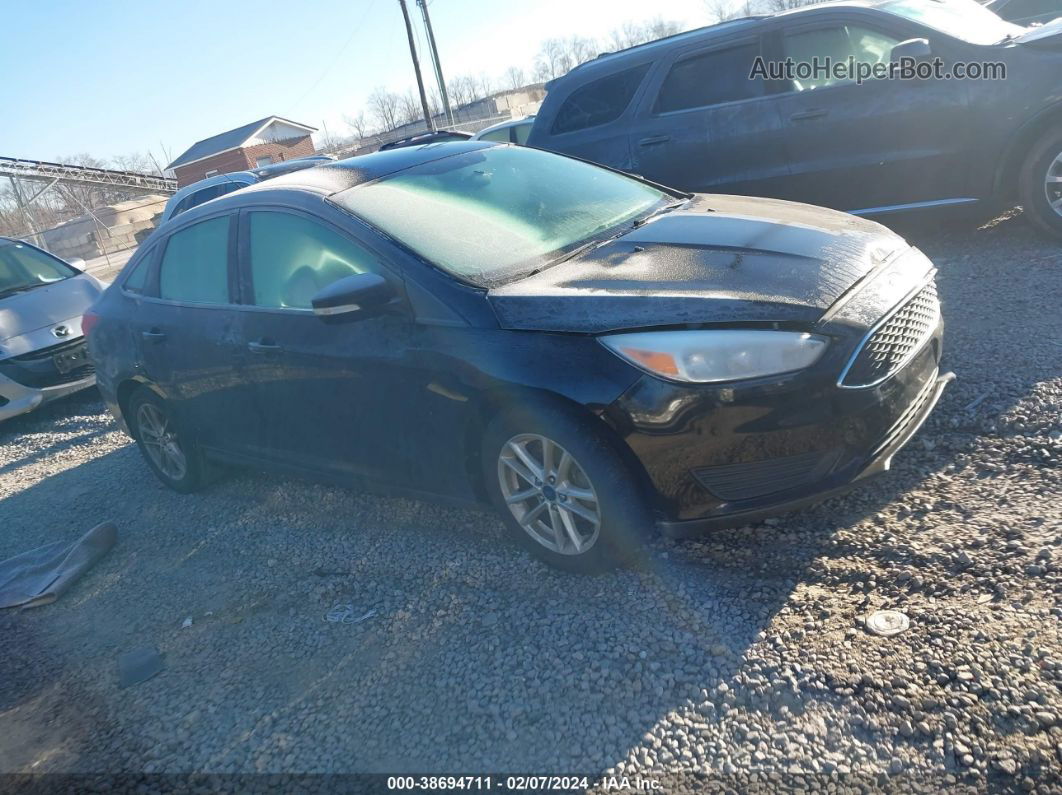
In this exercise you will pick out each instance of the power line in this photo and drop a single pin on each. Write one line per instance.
(335, 59)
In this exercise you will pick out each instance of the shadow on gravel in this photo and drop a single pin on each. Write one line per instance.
(477, 659)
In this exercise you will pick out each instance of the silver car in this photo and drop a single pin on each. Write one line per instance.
(218, 185)
(42, 347)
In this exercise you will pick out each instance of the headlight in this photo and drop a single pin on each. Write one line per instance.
(705, 356)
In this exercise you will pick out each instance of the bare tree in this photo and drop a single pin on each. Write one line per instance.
(631, 34)
(658, 28)
(514, 78)
(553, 59)
(462, 90)
(581, 49)
(409, 109)
(384, 106)
(484, 85)
(357, 124)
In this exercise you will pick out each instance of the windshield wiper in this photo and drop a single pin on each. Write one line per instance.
(13, 290)
(658, 212)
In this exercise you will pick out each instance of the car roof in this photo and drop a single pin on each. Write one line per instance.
(329, 178)
(607, 61)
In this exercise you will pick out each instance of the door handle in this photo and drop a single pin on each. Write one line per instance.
(153, 335)
(654, 139)
(807, 115)
(263, 346)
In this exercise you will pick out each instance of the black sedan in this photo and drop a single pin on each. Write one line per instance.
(481, 323)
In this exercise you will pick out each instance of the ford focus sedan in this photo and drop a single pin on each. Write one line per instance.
(592, 354)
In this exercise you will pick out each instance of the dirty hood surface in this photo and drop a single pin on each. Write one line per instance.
(720, 259)
(21, 313)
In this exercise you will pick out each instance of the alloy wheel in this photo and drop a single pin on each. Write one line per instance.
(1053, 184)
(549, 494)
(161, 441)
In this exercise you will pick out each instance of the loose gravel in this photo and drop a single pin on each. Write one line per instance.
(736, 661)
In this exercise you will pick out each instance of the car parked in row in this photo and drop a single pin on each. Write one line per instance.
(683, 111)
(42, 346)
(221, 184)
(484, 323)
(512, 131)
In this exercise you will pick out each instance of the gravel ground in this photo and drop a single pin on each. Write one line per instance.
(738, 661)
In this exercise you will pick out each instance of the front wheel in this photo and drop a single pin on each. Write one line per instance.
(172, 456)
(563, 490)
(1040, 184)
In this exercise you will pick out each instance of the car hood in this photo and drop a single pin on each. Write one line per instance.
(23, 313)
(719, 259)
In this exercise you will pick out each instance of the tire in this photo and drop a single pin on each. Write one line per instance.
(1044, 161)
(595, 482)
(147, 414)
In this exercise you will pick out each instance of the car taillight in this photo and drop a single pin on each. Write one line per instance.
(88, 322)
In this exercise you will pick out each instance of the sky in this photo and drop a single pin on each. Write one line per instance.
(118, 77)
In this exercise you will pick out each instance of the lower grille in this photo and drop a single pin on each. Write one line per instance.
(37, 370)
(912, 412)
(895, 341)
(758, 478)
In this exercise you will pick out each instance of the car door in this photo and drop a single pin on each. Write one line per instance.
(705, 125)
(591, 122)
(875, 144)
(330, 396)
(187, 331)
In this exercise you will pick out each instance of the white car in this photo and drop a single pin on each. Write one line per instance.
(514, 131)
(42, 344)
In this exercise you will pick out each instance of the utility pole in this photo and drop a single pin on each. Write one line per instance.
(416, 68)
(435, 60)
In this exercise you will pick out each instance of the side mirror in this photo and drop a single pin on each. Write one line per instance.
(76, 263)
(915, 50)
(364, 294)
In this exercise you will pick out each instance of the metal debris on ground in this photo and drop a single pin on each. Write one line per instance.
(344, 614)
(138, 665)
(887, 623)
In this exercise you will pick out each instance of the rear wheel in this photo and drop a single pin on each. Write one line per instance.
(1040, 184)
(563, 490)
(171, 454)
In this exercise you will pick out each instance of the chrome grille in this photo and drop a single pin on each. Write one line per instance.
(892, 344)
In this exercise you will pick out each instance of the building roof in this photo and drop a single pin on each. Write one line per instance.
(232, 139)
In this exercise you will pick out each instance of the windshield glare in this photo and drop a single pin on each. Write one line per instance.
(23, 267)
(963, 19)
(490, 215)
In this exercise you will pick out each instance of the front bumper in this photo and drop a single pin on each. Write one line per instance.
(718, 456)
(16, 399)
(879, 463)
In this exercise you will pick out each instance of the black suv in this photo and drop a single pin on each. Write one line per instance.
(683, 110)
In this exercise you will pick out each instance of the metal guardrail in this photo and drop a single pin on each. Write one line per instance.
(44, 171)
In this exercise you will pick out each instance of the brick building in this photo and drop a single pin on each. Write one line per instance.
(268, 140)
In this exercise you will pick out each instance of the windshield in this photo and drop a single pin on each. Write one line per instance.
(490, 215)
(24, 267)
(963, 19)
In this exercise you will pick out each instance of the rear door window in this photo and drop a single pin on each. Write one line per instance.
(521, 133)
(294, 258)
(136, 281)
(501, 135)
(710, 79)
(600, 101)
(195, 264)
